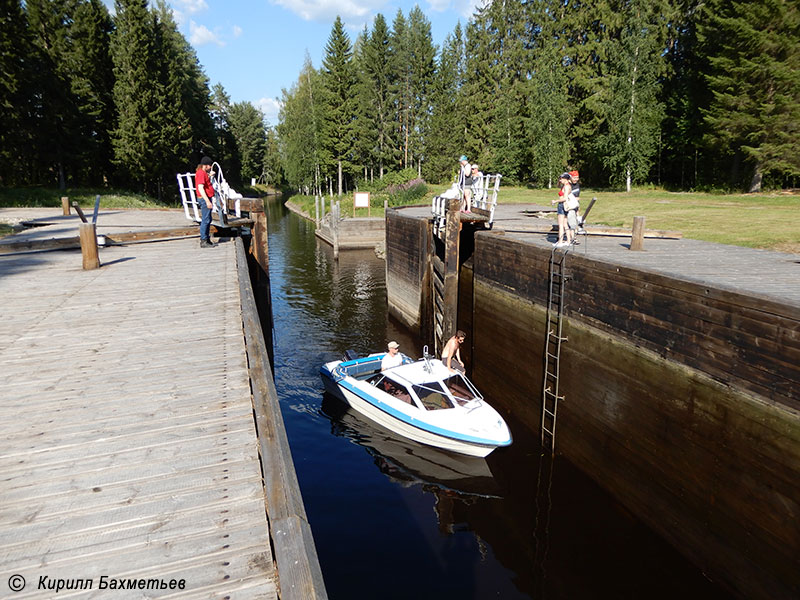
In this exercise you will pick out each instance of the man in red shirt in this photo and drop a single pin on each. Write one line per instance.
(205, 197)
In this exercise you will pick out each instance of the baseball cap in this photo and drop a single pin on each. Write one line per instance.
(393, 344)
(206, 161)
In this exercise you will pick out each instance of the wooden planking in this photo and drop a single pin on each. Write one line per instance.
(749, 341)
(134, 451)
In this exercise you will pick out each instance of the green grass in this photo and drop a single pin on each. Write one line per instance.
(85, 197)
(766, 220)
(753, 220)
(756, 220)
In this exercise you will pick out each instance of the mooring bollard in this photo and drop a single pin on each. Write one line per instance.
(637, 235)
(65, 206)
(88, 237)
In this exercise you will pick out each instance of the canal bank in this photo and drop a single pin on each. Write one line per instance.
(679, 375)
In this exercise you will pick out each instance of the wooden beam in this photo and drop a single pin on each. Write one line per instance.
(69, 243)
(451, 254)
(65, 206)
(299, 573)
(78, 210)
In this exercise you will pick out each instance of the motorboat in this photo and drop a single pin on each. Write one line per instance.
(421, 400)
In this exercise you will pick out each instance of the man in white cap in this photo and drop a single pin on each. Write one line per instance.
(393, 358)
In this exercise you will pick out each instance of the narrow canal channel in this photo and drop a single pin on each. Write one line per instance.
(392, 519)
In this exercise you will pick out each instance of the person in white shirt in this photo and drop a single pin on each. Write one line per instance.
(478, 191)
(392, 358)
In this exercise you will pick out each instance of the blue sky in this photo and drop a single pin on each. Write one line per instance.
(255, 48)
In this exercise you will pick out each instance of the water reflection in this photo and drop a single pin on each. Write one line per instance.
(407, 462)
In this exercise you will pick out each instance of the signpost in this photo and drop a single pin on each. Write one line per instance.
(361, 200)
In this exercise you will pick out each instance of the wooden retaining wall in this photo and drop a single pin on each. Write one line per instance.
(670, 401)
(407, 278)
(682, 399)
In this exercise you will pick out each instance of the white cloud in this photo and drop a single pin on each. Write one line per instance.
(200, 35)
(270, 107)
(192, 6)
(237, 31)
(464, 8)
(325, 11)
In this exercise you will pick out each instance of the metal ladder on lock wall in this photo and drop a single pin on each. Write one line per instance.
(552, 353)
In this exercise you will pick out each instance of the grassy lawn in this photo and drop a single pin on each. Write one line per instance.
(756, 220)
(51, 197)
(766, 220)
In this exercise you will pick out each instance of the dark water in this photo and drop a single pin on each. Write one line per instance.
(392, 519)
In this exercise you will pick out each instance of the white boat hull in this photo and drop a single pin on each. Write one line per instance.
(404, 420)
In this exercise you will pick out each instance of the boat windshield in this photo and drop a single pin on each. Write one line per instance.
(432, 396)
(460, 389)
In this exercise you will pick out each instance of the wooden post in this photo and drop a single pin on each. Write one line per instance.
(260, 243)
(335, 228)
(451, 252)
(65, 205)
(88, 237)
(637, 235)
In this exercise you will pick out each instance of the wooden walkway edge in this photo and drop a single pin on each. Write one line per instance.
(299, 572)
(142, 441)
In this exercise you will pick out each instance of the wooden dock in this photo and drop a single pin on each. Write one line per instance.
(130, 455)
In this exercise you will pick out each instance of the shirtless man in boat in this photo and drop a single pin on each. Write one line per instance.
(451, 355)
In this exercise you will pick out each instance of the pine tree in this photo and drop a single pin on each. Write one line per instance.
(376, 110)
(60, 119)
(683, 93)
(753, 50)
(422, 54)
(551, 114)
(92, 84)
(364, 132)
(18, 114)
(137, 94)
(510, 149)
(445, 137)
(478, 92)
(183, 106)
(339, 103)
(400, 88)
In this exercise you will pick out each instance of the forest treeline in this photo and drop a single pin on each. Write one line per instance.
(679, 93)
(91, 99)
